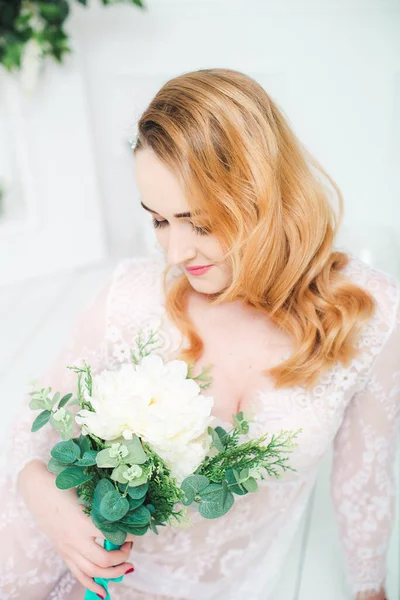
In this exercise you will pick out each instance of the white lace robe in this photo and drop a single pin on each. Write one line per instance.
(240, 555)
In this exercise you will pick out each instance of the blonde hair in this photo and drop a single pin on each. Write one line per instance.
(251, 181)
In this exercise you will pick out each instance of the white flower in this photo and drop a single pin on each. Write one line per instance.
(156, 402)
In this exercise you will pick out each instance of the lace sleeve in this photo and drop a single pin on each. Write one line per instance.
(363, 474)
(85, 341)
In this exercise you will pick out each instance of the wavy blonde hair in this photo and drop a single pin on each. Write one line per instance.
(258, 189)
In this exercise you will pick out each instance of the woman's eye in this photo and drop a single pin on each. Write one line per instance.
(158, 224)
(199, 230)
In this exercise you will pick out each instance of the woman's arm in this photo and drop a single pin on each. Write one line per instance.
(363, 475)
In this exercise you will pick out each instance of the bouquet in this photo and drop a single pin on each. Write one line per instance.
(147, 447)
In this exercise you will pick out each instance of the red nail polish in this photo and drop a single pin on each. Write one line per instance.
(102, 597)
(129, 570)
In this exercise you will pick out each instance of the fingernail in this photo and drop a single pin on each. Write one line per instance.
(102, 597)
(129, 570)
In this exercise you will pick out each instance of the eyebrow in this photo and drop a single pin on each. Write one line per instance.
(183, 215)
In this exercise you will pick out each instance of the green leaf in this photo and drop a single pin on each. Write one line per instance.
(139, 491)
(102, 488)
(134, 530)
(225, 490)
(244, 473)
(88, 459)
(113, 506)
(135, 503)
(153, 527)
(84, 2)
(212, 504)
(83, 443)
(55, 398)
(55, 12)
(250, 484)
(105, 461)
(113, 533)
(97, 518)
(66, 452)
(216, 439)
(151, 508)
(66, 427)
(71, 477)
(41, 420)
(136, 454)
(118, 475)
(64, 400)
(55, 466)
(138, 518)
(191, 486)
(234, 486)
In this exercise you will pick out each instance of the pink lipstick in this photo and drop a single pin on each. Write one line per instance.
(198, 270)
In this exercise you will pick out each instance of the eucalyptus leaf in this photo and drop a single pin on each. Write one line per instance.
(113, 506)
(113, 533)
(71, 477)
(216, 439)
(83, 443)
(244, 473)
(138, 518)
(191, 486)
(211, 505)
(139, 491)
(133, 529)
(88, 459)
(66, 452)
(55, 466)
(41, 420)
(135, 502)
(104, 460)
(222, 434)
(136, 454)
(64, 400)
(55, 398)
(98, 518)
(250, 484)
(234, 486)
(102, 488)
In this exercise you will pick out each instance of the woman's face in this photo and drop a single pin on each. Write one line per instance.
(185, 246)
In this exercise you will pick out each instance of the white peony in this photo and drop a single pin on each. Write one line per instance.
(155, 401)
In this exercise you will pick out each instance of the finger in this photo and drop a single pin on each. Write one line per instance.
(85, 580)
(106, 558)
(93, 570)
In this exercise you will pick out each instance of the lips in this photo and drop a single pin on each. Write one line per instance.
(198, 270)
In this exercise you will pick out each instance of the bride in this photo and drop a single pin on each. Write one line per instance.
(300, 334)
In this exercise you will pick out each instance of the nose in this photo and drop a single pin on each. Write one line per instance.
(181, 247)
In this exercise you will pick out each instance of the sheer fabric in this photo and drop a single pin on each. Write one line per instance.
(355, 408)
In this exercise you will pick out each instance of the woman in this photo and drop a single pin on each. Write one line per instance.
(302, 335)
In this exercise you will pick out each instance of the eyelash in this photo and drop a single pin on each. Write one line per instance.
(199, 230)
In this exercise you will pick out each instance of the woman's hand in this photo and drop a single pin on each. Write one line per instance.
(71, 531)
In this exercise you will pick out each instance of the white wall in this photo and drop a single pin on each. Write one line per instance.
(333, 66)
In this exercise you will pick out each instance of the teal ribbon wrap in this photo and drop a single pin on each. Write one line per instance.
(104, 582)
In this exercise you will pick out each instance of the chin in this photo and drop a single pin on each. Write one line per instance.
(207, 287)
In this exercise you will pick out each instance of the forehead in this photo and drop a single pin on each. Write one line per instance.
(160, 188)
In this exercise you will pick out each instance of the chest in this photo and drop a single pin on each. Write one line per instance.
(239, 345)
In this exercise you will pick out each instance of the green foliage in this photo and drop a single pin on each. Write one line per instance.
(71, 477)
(144, 348)
(40, 21)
